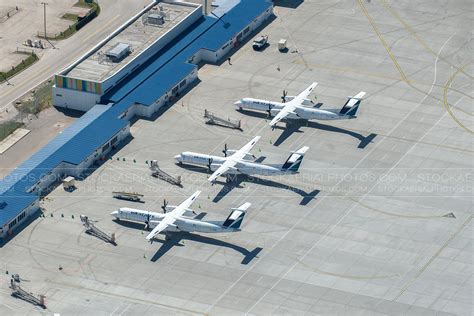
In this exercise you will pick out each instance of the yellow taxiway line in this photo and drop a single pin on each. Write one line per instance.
(445, 98)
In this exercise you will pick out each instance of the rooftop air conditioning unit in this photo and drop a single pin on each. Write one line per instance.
(156, 19)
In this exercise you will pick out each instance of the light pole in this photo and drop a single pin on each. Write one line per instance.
(44, 14)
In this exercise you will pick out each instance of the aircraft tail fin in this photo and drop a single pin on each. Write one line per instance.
(235, 218)
(294, 160)
(352, 105)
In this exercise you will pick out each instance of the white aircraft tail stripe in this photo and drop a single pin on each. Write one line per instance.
(242, 208)
(352, 104)
(294, 160)
(234, 220)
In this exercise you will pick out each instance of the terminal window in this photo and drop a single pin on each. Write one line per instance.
(106, 146)
(12, 223)
(21, 216)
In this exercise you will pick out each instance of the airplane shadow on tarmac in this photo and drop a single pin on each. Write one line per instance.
(293, 126)
(237, 181)
(175, 240)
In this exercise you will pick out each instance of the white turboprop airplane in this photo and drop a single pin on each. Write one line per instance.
(181, 218)
(300, 107)
(242, 162)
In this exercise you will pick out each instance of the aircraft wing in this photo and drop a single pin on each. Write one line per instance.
(181, 208)
(287, 110)
(228, 164)
(233, 160)
(299, 99)
(242, 152)
(291, 106)
(170, 218)
(163, 225)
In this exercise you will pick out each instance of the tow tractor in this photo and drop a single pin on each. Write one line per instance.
(260, 42)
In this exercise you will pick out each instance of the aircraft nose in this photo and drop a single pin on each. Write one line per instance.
(238, 103)
(178, 158)
(114, 213)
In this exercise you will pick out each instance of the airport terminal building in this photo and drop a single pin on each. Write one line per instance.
(163, 43)
(141, 67)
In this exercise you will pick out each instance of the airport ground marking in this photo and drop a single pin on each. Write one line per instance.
(384, 43)
(396, 214)
(418, 38)
(445, 99)
(428, 48)
(125, 297)
(360, 161)
(446, 88)
(425, 266)
(329, 230)
(301, 57)
(348, 276)
(382, 76)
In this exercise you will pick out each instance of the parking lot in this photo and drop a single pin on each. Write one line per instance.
(378, 220)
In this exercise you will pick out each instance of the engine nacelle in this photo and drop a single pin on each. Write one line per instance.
(169, 208)
(189, 213)
(305, 101)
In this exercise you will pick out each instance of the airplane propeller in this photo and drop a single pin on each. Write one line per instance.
(147, 222)
(283, 97)
(165, 204)
(225, 150)
(209, 163)
(269, 111)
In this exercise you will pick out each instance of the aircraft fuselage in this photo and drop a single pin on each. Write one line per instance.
(243, 167)
(181, 224)
(301, 112)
